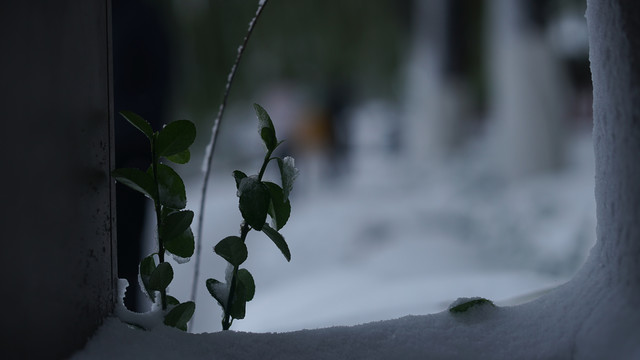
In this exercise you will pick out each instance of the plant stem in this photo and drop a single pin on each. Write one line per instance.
(158, 208)
(163, 293)
(212, 145)
(227, 320)
(244, 230)
(265, 162)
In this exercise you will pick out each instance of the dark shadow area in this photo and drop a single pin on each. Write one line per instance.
(142, 84)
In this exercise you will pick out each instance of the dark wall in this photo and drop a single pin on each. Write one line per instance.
(58, 248)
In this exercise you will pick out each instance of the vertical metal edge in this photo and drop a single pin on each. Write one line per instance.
(112, 189)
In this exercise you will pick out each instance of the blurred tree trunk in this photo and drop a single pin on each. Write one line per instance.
(438, 98)
(528, 91)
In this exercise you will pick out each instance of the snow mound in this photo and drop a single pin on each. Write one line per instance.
(583, 319)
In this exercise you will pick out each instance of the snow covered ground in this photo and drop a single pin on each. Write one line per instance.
(392, 239)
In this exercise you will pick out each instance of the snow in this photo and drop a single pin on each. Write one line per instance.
(567, 323)
(545, 328)
(178, 259)
(149, 320)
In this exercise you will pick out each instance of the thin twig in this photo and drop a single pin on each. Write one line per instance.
(211, 147)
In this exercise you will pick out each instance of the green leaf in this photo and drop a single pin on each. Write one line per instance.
(288, 174)
(279, 207)
(136, 179)
(268, 136)
(277, 239)
(238, 305)
(232, 249)
(265, 128)
(172, 301)
(465, 306)
(245, 280)
(238, 176)
(182, 157)
(175, 224)
(138, 122)
(218, 290)
(176, 137)
(182, 245)
(254, 201)
(171, 188)
(147, 266)
(180, 315)
(161, 276)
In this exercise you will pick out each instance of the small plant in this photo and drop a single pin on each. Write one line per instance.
(465, 304)
(257, 200)
(164, 186)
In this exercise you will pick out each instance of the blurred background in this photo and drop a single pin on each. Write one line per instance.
(444, 148)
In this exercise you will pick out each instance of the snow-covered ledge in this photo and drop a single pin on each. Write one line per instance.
(594, 316)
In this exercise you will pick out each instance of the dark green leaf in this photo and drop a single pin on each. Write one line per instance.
(181, 245)
(176, 137)
(180, 315)
(161, 276)
(279, 207)
(175, 224)
(269, 138)
(232, 249)
(172, 301)
(254, 201)
(288, 174)
(238, 176)
(238, 305)
(465, 306)
(166, 211)
(277, 239)
(171, 188)
(245, 280)
(265, 128)
(218, 290)
(138, 122)
(147, 266)
(182, 157)
(136, 179)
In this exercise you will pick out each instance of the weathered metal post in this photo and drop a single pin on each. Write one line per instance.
(57, 220)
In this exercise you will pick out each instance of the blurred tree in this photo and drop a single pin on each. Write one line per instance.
(444, 82)
(528, 89)
(316, 43)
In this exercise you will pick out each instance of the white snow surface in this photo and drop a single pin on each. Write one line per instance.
(575, 321)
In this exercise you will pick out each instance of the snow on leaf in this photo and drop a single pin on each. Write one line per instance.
(288, 174)
(265, 128)
(171, 188)
(219, 291)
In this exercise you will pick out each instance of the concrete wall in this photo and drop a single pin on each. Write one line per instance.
(58, 250)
